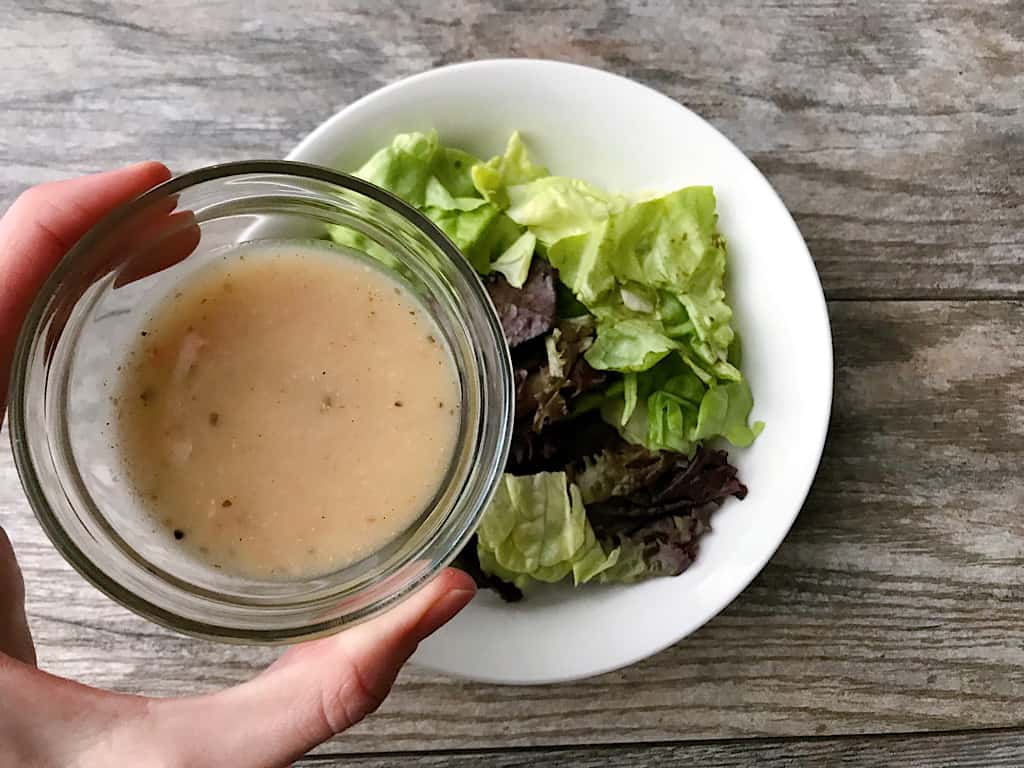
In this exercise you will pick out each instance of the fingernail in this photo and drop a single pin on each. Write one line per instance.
(441, 612)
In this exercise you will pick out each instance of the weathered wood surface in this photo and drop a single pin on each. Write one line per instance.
(896, 603)
(893, 131)
(993, 749)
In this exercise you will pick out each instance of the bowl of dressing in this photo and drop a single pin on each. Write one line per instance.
(244, 431)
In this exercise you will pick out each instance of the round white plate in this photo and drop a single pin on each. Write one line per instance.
(626, 137)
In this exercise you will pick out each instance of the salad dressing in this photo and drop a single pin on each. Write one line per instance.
(290, 410)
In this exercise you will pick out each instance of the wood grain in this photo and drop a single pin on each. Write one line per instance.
(896, 604)
(992, 749)
(893, 131)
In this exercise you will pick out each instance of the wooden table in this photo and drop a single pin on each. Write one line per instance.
(889, 628)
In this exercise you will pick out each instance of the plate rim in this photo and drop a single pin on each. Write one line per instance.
(820, 306)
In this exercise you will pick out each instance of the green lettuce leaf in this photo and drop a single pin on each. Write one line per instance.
(650, 271)
(659, 263)
(556, 207)
(514, 263)
(536, 528)
(671, 408)
(439, 181)
(724, 410)
(629, 345)
(591, 560)
(533, 523)
(552, 207)
(492, 179)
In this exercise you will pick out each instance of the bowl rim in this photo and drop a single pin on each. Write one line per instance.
(26, 466)
(332, 126)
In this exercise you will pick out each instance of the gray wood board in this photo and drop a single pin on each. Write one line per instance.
(893, 131)
(982, 749)
(896, 603)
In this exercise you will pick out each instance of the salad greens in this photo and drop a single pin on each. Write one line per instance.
(625, 359)
(537, 528)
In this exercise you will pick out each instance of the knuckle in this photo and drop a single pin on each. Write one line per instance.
(35, 196)
(347, 703)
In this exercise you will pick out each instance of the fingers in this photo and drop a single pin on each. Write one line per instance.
(173, 236)
(15, 637)
(40, 228)
(315, 691)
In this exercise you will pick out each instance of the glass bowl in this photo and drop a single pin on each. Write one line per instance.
(91, 310)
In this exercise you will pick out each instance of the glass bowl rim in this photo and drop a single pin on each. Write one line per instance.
(28, 337)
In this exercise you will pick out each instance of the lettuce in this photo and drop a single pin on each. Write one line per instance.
(555, 207)
(492, 179)
(515, 262)
(645, 512)
(670, 407)
(536, 528)
(646, 263)
(439, 181)
(625, 360)
(651, 272)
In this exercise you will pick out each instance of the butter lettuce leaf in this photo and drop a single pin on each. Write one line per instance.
(724, 411)
(514, 262)
(629, 345)
(673, 409)
(660, 263)
(536, 528)
(556, 207)
(439, 181)
(492, 179)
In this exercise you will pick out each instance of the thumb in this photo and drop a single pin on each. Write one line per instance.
(313, 692)
(42, 225)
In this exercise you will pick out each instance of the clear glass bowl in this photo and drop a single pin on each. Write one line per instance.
(90, 311)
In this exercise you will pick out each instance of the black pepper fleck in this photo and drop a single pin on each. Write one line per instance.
(179, 534)
(398, 403)
(145, 333)
(226, 503)
(214, 418)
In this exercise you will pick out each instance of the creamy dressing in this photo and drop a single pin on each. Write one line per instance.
(288, 411)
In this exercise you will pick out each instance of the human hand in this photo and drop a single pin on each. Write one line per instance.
(312, 692)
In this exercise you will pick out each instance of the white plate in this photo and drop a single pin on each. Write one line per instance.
(619, 134)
